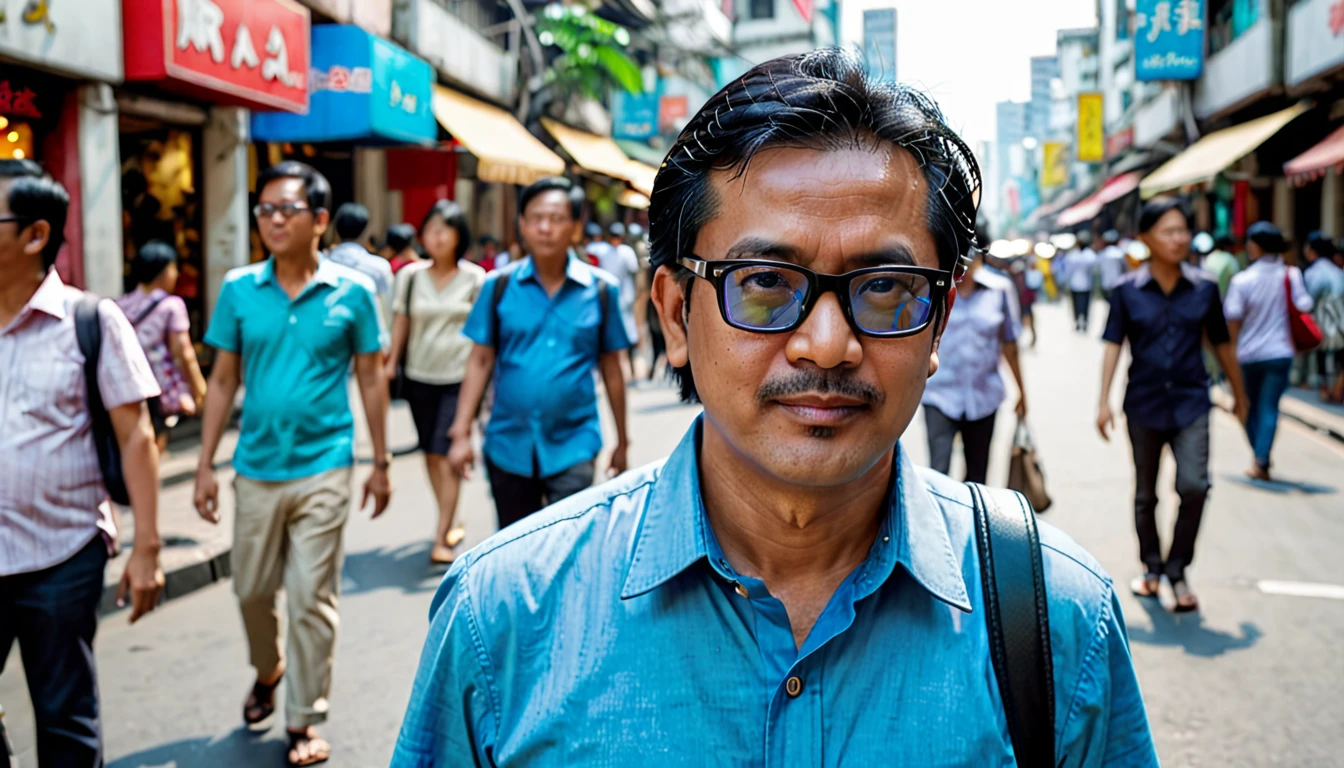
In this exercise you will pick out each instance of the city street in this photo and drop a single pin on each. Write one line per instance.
(1252, 681)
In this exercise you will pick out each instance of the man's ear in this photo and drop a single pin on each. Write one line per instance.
(321, 219)
(35, 236)
(670, 301)
(938, 332)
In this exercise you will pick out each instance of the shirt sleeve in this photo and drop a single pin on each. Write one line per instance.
(1107, 724)
(225, 332)
(1301, 299)
(451, 712)
(1234, 306)
(1215, 322)
(370, 333)
(124, 375)
(1117, 322)
(479, 327)
(178, 320)
(614, 337)
(1012, 315)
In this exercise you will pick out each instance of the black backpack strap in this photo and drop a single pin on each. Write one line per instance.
(602, 292)
(89, 334)
(1016, 614)
(501, 284)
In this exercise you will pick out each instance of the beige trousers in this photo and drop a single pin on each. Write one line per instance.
(289, 533)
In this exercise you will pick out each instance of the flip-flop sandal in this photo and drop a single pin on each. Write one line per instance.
(316, 754)
(1145, 586)
(1186, 602)
(442, 560)
(455, 537)
(260, 704)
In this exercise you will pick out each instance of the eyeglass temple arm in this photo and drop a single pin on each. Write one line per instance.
(700, 268)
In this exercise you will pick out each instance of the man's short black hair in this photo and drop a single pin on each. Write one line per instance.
(315, 186)
(1225, 243)
(35, 196)
(1268, 236)
(1321, 244)
(548, 184)
(150, 261)
(824, 100)
(350, 221)
(1153, 210)
(400, 237)
(452, 214)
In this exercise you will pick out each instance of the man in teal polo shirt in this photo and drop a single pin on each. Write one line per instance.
(288, 328)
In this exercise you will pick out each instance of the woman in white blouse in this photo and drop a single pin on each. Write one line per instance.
(431, 301)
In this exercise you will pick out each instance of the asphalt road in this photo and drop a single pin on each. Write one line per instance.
(1253, 681)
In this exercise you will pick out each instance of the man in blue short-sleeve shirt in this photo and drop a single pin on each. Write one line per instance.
(787, 589)
(288, 328)
(556, 321)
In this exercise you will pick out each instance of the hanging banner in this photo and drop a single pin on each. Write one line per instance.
(1055, 167)
(804, 9)
(1168, 39)
(1091, 140)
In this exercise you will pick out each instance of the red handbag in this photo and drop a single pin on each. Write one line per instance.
(1306, 334)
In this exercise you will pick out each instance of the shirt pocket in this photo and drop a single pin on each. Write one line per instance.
(52, 390)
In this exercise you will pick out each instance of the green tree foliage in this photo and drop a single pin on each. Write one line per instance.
(591, 59)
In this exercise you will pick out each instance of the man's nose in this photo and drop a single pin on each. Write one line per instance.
(825, 338)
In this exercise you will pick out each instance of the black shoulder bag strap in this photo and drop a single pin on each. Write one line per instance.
(146, 312)
(89, 334)
(602, 291)
(1013, 581)
(501, 283)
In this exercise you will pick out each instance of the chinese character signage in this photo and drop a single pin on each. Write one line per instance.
(361, 88)
(634, 117)
(1055, 164)
(1091, 131)
(18, 101)
(1169, 39)
(253, 53)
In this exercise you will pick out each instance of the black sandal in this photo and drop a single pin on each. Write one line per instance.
(309, 740)
(1186, 602)
(1146, 585)
(260, 704)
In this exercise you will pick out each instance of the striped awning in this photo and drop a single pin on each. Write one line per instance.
(1313, 164)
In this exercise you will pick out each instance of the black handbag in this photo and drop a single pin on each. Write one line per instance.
(1013, 581)
(89, 334)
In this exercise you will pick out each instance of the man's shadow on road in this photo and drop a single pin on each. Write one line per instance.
(238, 748)
(1188, 631)
(1283, 486)
(405, 568)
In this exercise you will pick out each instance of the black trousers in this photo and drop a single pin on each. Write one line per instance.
(1190, 447)
(53, 614)
(517, 496)
(975, 439)
(1082, 306)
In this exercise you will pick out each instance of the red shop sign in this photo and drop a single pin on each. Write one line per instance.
(254, 53)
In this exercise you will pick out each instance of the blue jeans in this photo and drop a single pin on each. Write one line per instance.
(1266, 381)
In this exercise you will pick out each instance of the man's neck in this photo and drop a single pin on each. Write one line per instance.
(293, 271)
(1165, 273)
(550, 271)
(789, 535)
(17, 286)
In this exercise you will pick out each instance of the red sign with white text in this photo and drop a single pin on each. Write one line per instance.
(253, 52)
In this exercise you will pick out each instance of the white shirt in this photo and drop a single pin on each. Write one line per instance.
(967, 384)
(623, 264)
(1112, 266)
(1256, 298)
(1082, 264)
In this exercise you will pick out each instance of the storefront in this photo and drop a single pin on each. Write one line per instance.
(182, 126)
(365, 94)
(51, 55)
(622, 187)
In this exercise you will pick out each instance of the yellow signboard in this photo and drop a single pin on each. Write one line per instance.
(1091, 129)
(1055, 168)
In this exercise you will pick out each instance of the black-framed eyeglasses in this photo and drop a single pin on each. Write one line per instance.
(16, 219)
(287, 211)
(776, 297)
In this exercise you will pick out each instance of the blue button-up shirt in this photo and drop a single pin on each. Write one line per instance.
(967, 384)
(296, 361)
(609, 630)
(545, 407)
(1168, 383)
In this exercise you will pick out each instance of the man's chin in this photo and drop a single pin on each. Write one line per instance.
(821, 462)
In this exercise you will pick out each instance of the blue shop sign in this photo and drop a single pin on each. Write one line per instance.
(1169, 39)
(362, 89)
(634, 117)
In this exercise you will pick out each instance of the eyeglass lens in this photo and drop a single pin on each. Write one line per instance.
(771, 298)
(287, 210)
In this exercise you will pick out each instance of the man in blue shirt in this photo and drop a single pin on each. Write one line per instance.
(787, 589)
(288, 329)
(541, 334)
(1165, 309)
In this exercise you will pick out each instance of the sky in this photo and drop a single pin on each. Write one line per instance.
(970, 54)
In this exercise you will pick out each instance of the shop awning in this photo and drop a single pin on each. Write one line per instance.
(1115, 188)
(1209, 156)
(1312, 164)
(507, 152)
(600, 154)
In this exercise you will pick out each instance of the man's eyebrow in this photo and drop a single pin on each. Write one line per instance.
(898, 255)
(761, 248)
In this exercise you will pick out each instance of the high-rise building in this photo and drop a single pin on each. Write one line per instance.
(1009, 156)
(1044, 70)
(879, 43)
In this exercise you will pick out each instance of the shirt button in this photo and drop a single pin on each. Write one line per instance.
(550, 343)
(741, 590)
(793, 686)
(293, 319)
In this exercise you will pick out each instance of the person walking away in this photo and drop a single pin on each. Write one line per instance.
(1221, 263)
(164, 330)
(594, 247)
(965, 394)
(1257, 314)
(776, 591)
(399, 246)
(1082, 268)
(1165, 309)
(350, 222)
(433, 300)
(540, 334)
(287, 329)
(620, 261)
(57, 527)
(1325, 283)
(1111, 262)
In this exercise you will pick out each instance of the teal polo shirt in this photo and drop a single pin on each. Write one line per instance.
(296, 358)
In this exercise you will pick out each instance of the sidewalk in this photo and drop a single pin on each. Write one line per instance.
(196, 553)
(1306, 406)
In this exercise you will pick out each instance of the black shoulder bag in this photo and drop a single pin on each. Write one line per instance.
(89, 333)
(1013, 581)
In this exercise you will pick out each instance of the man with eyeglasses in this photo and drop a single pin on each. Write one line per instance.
(288, 329)
(540, 327)
(787, 588)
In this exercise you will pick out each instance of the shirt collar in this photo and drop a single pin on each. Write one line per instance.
(574, 270)
(673, 532)
(1144, 276)
(326, 272)
(49, 298)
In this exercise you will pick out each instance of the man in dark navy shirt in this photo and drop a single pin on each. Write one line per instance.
(1166, 309)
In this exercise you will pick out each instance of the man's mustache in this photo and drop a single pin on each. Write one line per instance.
(827, 382)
